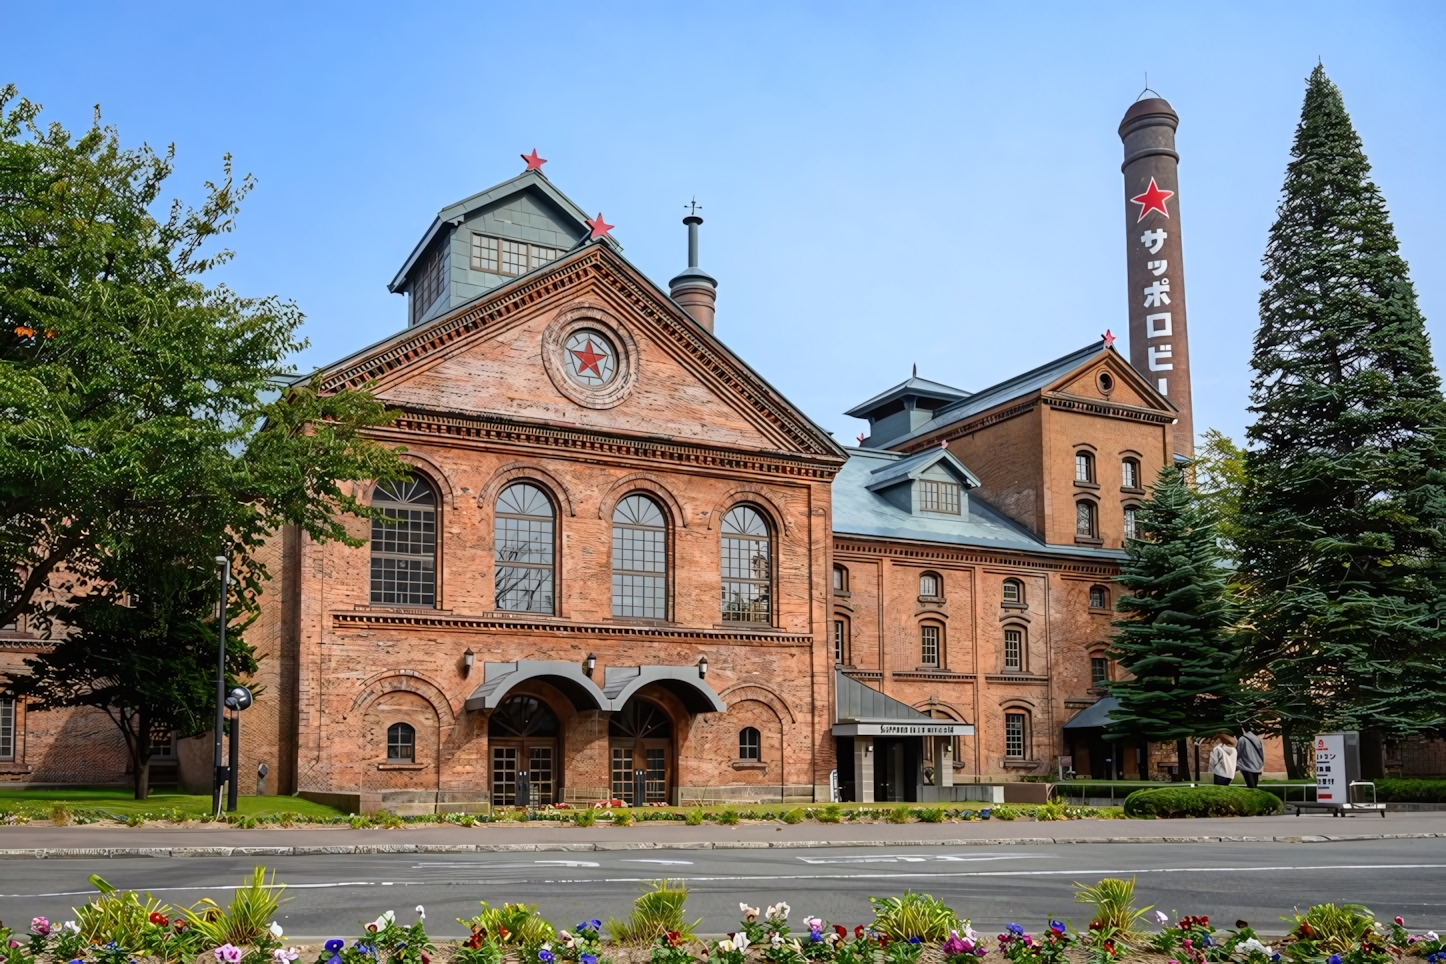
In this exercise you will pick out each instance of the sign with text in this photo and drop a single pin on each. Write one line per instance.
(1330, 768)
(903, 729)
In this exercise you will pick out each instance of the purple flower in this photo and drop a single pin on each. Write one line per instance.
(546, 956)
(1333, 959)
(588, 959)
(335, 959)
(1057, 926)
(954, 945)
(335, 944)
(1018, 931)
(229, 954)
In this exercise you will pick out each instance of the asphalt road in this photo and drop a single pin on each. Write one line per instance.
(332, 894)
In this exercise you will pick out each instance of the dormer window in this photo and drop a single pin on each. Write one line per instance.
(429, 280)
(505, 256)
(941, 497)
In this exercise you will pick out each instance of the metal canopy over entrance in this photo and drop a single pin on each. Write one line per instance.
(880, 744)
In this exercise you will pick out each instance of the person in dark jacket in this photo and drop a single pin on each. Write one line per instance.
(1250, 757)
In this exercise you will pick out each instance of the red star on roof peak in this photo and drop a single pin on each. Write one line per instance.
(600, 228)
(944, 444)
(1109, 338)
(1153, 199)
(534, 163)
(588, 359)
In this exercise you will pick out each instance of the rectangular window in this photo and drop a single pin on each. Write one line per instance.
(504, 776)
(840, 633)
(484, 253)
(7, 728)
(1084, 519)
(639, 563)
(1013, 651)
(942, 497)
(541, 256)
(404, 545)
(1099, 670)
(1014, 736)
(430, 279)
(623, 775)
(1130, 474)
(514, 257)
(1084, 469)
(1132, 528)
(929, 645)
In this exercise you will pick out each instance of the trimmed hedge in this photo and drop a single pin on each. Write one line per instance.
(1399, 790)
(1202, 801)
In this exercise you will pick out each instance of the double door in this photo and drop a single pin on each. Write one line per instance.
(524, 772)
(649, 756)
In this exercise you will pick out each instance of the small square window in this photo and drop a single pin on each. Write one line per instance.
(1098, 597)
(929, 585)
(514, 257)
(941, 497)
(484, 253)
(1013, 591)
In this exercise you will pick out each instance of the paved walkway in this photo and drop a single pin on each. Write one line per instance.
(39, 840)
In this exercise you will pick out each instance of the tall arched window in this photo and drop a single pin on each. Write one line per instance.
(1084, 519)
(1132, 523)
(747, 567)
(930, 644)
(640, 559)
(1016, 734)
(404, 544)
(1084, 467)
(401, 743)
(525, 532)
(1014, 650)
(750, 743)
(1129, 473)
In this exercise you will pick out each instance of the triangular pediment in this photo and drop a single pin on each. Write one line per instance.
(505, 356)
(1107, 378)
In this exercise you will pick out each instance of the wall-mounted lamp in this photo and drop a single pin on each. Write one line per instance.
(868, 748)
(468, 658)
(702, 667)
(589, 664)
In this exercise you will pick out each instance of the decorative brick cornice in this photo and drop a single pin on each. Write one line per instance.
(416, 421)
(358, 620)
(941, 553)
(971, 426)
(1012, 678)
(863, 674)
(1093, 406)
(943, 676)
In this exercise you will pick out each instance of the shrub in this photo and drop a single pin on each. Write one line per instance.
(622, 817)
(1115, 916)
(933, 814)
(832, 813)
(586, 817)
(1327, 929)
(1050, 811)
(658, 911)
(898, 815)
(517, 924)
(914, 915)
(728, 817)
(1003, 811)
(693, 818)
(793, 816)
(253, 908)
(1204, 801)
(116, 915)
(1397, 790)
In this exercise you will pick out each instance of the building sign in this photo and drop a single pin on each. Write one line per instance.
(903, 729)
(1330, 768)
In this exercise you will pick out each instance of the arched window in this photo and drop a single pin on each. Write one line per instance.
(404, 544)
(1084, 467)
(1016, 734)
(1084, 519)
(1014, 650)
(640, 559)
(640, 727)
(1099, 597)
(401, 743)
(1099, 669)
(841, 640)
(1014, 592)
(747, 567)
(931, 586)
(525, 531)
(1132, 525)
(1129, 473)
(931, 644)
(750, 743)
(840, 579)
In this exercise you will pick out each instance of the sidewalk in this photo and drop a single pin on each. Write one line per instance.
(42, 841)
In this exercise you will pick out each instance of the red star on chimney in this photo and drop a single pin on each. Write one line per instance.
(600, 228)
(1152, 200)
(1109, 338)
(534, 163)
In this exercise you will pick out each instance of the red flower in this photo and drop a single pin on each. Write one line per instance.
(24, 331)
(841, 931)
(859, 931)
(1400, 920)
(159, 919)
(180, 924)
(674, 938)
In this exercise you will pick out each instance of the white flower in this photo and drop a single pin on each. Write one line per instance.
(421, 912)
(1252, 946)
(1162, 917)
(969, 934)
(74, 928)
(749, 913)
(1430, 935)
(740, 941)
(775, 939)
(275, 929)
(725, 946)
(813, 923)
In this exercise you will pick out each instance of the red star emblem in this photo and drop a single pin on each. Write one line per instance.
(588, 359)
(1152, 200)
(600, 228)
(1109, 338)
(534, 163)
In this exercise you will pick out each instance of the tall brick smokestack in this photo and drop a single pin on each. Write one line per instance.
(1159, 335)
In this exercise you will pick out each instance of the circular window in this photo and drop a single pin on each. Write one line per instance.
(1106, 381)
(589, 358)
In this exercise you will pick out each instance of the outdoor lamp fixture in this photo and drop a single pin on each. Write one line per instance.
(468, 658)
(589, 664)
(702, 667)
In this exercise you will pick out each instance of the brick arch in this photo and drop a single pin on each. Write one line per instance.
(925, 706)
(1018, 703)
(392, 680)
(523, 471)
(757, 692)
(749, 493)
(640, 482)
(425, 467)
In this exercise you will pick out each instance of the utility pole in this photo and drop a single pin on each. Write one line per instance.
(221, 775)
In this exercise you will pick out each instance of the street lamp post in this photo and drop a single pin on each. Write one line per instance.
(220, 775)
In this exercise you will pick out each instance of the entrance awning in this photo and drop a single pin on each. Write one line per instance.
(621, 682)
(861, 710)
(1094, 716)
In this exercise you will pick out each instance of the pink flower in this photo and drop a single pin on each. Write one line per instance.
(227, 954)
(40, 926)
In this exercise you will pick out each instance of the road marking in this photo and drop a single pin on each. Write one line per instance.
(566, 863)
(895, 858)
(665, 863)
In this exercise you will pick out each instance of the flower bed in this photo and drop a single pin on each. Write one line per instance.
(122, 927)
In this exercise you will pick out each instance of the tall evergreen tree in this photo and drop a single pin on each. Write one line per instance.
(1176, 644)
(1343, 518)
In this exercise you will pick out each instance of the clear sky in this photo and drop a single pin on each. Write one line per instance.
(883, 184)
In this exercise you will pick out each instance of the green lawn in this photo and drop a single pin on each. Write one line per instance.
(122, 802)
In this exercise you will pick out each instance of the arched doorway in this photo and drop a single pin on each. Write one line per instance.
(640, 736)
(522, 735)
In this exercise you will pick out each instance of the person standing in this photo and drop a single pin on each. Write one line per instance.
(1250, 757)
(1222, 760)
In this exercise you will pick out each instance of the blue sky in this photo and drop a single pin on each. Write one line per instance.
(883, 184)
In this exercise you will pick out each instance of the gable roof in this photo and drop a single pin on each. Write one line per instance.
(454, 214)
(1034, 380)
(916, 465)
(921, 387)
(763, 403)
(859, 509)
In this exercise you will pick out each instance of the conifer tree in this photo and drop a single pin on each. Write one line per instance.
(1176, 643)
(1343, 518)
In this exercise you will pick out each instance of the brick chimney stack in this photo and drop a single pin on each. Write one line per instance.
(1159, 336)
(695, 289)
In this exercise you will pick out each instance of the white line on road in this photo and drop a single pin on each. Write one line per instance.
(895, 858)
(665, 863)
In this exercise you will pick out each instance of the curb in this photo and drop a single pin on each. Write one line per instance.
(70, 853)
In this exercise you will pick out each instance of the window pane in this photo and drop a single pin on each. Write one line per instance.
(1083, 467)
(655, 779)
(748, 744)
(7, 728)
(524, 549)
(1084, 519)
(639, 560)
(1011, 591)
(623, 775)
(930, 645)
(404, 545)
(484, 253)
(1129, 473)
(839, 634)
(514, 257)
(747, 568)
(1014, 735)
(401, 743)
(928, 585)
(539, 774)
(541, 256)
(939, 497)
(1013, 649)
(504, 776)
(1131, 527)
(1099, 669)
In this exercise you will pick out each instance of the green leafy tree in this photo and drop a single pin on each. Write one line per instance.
(1219, 469)
(1343, 517)
(1175, 642)
(147, 418)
